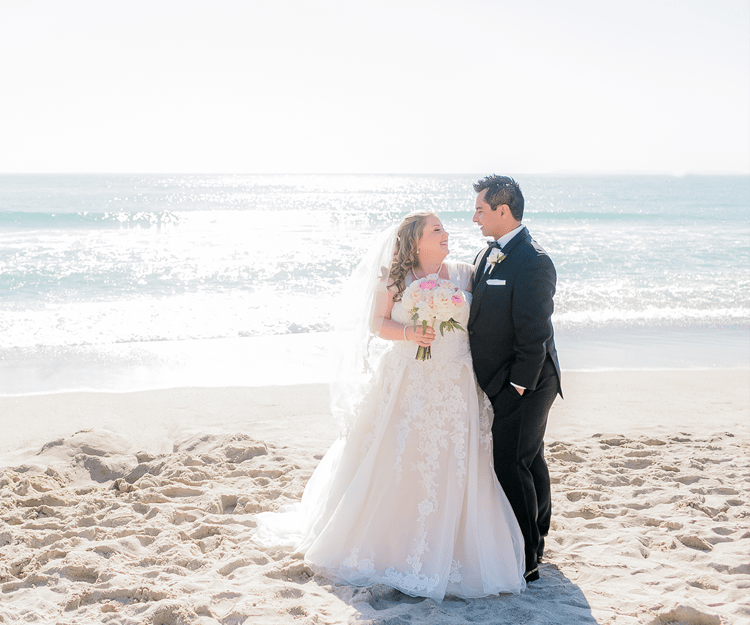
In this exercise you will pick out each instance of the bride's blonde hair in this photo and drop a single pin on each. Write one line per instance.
(405, 253)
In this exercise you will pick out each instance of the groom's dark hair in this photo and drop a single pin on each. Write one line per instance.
(502, 190)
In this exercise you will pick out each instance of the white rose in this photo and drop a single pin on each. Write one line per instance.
(442, 305)
(407, 299)
(496, 256)
(424, 312)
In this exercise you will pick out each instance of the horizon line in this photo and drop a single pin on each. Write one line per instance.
(562, 172)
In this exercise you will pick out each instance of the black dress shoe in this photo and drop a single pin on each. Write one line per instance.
(532, 575)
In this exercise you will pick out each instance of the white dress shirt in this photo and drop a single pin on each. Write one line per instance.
(505, 239)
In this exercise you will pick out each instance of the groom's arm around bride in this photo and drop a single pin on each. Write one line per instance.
(513, 349)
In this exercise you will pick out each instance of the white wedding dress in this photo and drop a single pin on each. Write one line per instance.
(409, 498)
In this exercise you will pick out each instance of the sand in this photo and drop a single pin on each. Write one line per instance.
(138, 508)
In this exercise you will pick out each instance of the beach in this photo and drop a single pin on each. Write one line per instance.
(164, 360)
(138, 507)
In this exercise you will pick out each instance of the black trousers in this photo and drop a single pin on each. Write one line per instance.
(518, 441)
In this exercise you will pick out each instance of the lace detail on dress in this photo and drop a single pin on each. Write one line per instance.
(434, 411)
(455, 575)
(486, 415)
(411, 582)
(353, 562)
(403, 430)
(460, 433)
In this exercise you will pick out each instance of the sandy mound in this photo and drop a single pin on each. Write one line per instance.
(645, 530)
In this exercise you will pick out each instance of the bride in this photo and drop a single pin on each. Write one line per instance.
(407, 495)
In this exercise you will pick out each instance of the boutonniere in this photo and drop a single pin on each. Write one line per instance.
(495, 257)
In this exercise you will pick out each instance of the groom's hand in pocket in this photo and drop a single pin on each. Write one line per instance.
(506, 400)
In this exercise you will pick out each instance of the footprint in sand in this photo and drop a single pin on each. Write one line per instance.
(694, 542)
(297, 572)
(685, 614)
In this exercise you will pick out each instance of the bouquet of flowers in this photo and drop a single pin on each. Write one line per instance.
(431, 300)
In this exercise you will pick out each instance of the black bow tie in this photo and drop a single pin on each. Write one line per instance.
(495, 244)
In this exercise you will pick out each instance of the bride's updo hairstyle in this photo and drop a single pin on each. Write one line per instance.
(405, 253)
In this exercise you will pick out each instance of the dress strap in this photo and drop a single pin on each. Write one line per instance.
(453, 274)
(459, 274)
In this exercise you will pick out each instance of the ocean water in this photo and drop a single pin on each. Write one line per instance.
(140, 281)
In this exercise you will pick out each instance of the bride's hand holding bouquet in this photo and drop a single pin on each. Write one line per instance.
(432, 300)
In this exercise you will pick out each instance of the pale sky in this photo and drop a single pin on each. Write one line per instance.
(374, 86)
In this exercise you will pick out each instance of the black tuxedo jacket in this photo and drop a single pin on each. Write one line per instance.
(510, 325)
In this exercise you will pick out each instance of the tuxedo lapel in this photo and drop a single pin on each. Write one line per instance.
(480, 275)
(516, 240)
(479, 264)
(479, 290)
(480, 284)
(494, 267)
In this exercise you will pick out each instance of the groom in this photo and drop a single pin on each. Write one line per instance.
(513, 349)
